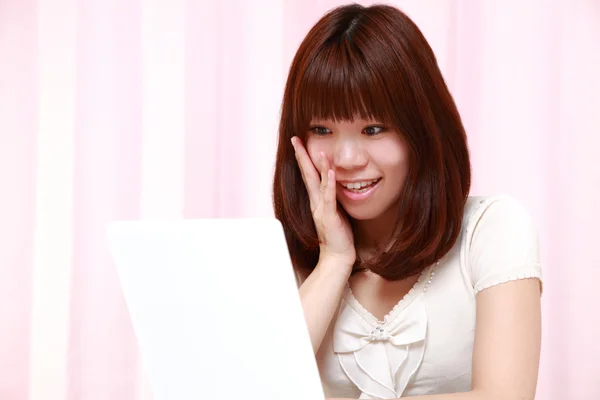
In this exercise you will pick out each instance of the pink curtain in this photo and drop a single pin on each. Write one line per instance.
(115, 109)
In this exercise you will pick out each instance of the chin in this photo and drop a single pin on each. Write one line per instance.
(364, 214)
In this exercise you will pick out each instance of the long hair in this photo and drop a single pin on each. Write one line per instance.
(374, 62)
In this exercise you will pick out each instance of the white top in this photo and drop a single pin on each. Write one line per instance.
(424, 345)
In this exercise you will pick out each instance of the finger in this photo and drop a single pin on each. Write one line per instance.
(307, 169)
(324, 163)
(301, 165)
(298, 162)
(323, 171)
(330, 193)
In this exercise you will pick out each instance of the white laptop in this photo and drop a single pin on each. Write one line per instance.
(215, 309)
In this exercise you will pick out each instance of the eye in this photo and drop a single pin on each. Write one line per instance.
(374, 130)
(319, 130)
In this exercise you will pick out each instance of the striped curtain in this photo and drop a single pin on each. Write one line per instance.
(114, 109)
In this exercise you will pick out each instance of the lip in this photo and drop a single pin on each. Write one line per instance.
(357, 180)
(353, 196)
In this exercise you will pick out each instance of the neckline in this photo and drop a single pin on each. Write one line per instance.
(419, 287)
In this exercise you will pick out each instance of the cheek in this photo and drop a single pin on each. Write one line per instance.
(314, 147)
(390, 154)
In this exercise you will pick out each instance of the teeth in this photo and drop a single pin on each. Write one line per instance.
(358, 185)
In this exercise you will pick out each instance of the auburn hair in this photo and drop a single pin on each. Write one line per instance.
(375, 63)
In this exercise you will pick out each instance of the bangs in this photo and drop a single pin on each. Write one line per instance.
(339, 85)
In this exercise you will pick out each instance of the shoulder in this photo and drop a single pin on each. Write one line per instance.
(500, 241)
(498, 214)
(501, 208)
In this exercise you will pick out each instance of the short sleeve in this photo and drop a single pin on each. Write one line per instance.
(504, 245)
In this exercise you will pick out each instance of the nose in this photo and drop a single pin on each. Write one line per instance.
(349, 154)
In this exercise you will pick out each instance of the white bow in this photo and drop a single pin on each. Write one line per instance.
(380, 360)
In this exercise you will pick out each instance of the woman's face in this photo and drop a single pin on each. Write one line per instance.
(370, 162)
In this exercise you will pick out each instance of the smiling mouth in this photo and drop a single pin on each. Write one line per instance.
(360, 187)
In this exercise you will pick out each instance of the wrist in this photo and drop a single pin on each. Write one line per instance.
(336, 264)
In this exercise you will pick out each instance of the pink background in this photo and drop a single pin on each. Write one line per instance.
(115, 109)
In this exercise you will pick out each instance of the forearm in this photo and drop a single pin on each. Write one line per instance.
(320, 295)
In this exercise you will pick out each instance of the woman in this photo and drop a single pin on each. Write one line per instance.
(409, 286)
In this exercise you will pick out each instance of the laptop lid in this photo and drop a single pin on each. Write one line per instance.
(215, 309)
